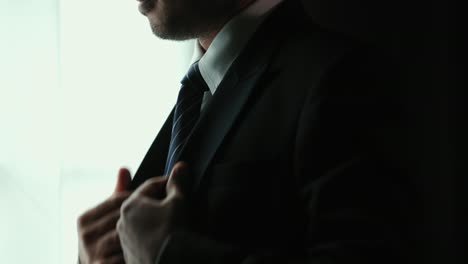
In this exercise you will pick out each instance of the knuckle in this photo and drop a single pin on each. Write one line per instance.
(100, 249)
(153, 182)
(116, 199)
(116, 215)
(87, 236)
(115, 237)
(113, 201)
(125, 208)
(178, 196)
(81, 221)
(111, 206)
(119, 227)
(121, 195)
(113, 215)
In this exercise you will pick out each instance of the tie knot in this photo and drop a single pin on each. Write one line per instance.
(194, 78)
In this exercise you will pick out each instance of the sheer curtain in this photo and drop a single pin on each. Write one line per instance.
(84, 88)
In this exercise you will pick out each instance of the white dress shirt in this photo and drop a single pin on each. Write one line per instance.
(228, 44)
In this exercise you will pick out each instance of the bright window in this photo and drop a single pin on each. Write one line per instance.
(84, 88)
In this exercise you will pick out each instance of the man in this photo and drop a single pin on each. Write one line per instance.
(286, 145)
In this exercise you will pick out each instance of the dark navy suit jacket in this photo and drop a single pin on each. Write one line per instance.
(298, 157)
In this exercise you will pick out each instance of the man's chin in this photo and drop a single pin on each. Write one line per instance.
(158, 32)
(170, 33)
(157, 27)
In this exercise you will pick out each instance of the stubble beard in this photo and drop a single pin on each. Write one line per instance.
(191, 21)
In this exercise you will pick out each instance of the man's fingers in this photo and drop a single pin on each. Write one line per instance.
(111, 204)
(109, 245)
(103, 225)
(159, 187)
(123, 180)
(154, 188)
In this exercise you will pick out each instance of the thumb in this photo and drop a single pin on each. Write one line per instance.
(123, 180)
(176, 177)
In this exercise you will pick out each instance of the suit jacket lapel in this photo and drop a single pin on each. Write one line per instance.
(215, 122)
(230, 99)
(155, 160)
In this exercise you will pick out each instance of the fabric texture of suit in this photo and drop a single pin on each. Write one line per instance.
(298, 158)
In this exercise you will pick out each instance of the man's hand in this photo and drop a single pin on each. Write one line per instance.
(97, 235)
(149, 215)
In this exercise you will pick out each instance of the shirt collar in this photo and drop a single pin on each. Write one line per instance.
(229, 42)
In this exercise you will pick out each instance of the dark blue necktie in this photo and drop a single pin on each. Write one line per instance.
(187, 112)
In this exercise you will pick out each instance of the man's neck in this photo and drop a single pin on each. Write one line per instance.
(206, 40)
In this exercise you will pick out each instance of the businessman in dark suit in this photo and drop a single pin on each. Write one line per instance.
(287, 145)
